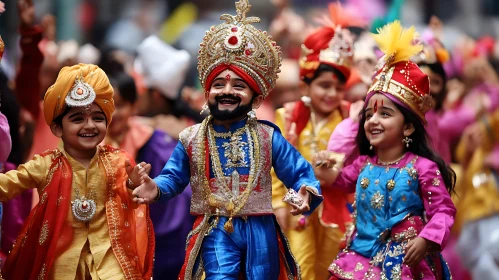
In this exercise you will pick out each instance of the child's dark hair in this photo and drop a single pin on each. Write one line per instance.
(438, 69)
(419, 146)
(325, 68)
(125, 85)
(58, 119)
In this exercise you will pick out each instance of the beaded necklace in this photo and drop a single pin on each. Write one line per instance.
(236, 202)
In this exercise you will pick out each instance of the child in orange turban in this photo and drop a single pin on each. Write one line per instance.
(86, 222)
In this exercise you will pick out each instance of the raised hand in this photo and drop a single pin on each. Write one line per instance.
(324, 168)
(26, 11)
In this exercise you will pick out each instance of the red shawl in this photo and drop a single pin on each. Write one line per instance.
(46, 234)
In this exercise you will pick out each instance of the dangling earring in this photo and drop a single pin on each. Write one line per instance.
(407, 141)
(306, 100)
(205, 109)
(252, 115)
(371, 147)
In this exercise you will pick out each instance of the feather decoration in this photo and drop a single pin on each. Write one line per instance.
(397, 43)
(339, 16)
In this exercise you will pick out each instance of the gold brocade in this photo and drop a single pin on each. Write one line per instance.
(313, 260)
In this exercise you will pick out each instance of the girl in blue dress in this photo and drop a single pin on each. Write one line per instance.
(403, 210)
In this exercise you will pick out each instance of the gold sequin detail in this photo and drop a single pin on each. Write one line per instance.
(43, 198)
(364, 183)
(378, 200)
(436, 182)
(359, 267)
(339, 271)
(44, 232)
(407, 234)
(43, 271)
(59, 200)
(390, 185)
(396, 272)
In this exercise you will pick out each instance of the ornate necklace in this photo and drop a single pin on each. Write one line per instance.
(236, 202)
(83, 208)
(395, 162)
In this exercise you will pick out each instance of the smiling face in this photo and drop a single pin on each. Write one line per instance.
(326, 92)
(82, 128)
(385, 124)
(230, 97)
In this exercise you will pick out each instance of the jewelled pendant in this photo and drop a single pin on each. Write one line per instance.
(83, 209)
(228, 226)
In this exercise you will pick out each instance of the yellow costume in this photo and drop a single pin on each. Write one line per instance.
(90, 252)
(480, 195)
(315, 240)
(86, 225)
(316, 246)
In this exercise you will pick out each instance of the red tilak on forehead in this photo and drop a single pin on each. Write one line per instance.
(375, 106)
(227, 77)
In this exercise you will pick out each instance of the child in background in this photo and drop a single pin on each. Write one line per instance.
(325, 66)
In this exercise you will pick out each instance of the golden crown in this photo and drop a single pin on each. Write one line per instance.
(237, 42)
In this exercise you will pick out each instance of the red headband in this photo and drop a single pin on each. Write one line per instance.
(241, 73)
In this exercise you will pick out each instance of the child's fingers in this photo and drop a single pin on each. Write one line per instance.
(137, 190)
(128, 167)
(409, 257)
(147, 168)
(146, 178)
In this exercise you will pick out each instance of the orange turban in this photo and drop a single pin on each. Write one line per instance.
(87, 76)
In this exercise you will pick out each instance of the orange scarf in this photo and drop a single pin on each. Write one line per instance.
(46, 234)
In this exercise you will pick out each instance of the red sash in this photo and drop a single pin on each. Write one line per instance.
(46, 234)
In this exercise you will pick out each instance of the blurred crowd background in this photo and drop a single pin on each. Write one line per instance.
(157, 86)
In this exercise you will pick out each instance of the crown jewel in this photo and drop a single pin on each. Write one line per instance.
(237, 42)
(339, 50)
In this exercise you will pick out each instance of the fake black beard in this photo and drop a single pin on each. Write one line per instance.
(224, 115)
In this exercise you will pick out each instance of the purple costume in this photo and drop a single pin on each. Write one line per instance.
(172, 221)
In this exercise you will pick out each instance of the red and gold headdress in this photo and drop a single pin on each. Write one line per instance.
(329, 44)
(237, 45)
(399, 77)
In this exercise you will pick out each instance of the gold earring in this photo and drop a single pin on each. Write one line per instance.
(407, 141)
